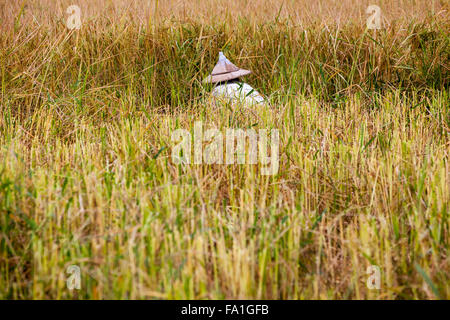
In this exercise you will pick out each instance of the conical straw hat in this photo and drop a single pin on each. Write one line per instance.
(225, 70)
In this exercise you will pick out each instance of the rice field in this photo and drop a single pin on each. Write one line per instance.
(87, 177)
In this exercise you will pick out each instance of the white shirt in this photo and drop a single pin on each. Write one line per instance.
(238, 91)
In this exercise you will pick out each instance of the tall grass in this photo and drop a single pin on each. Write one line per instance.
(86, 176)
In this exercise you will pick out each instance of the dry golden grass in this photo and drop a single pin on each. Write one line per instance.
(142, 12)
(86, 176)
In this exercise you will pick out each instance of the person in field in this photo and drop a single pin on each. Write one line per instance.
(225, 76)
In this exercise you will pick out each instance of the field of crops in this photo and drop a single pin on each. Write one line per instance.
(87, 178)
